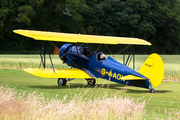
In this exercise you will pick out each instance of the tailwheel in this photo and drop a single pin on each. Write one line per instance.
(61, 81)
(152, 90)
(91, 81)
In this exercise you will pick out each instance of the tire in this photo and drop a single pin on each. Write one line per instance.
(91, 81)
(61, 81)
(152, 90)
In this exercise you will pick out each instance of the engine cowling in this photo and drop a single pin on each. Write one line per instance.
(63, 52)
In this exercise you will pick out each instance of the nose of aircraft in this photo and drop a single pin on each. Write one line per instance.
(63, 50)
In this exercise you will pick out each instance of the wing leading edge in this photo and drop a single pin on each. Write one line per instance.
(59, 73)
(78, 38)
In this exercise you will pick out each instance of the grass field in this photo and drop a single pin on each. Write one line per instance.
(163, 104)
(19, 62)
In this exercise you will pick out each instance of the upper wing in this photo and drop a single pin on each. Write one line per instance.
(59, 73)
(74, 38)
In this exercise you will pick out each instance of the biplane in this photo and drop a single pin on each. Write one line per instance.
(93, 65)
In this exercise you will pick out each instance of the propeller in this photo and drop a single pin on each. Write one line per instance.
(56, 50)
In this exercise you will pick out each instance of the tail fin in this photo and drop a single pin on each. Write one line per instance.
(153, 69)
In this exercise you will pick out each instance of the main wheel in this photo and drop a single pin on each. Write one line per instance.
(61, 81)
(91, 81)
(152, 90)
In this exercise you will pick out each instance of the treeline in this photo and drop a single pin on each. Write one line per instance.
(157, 21)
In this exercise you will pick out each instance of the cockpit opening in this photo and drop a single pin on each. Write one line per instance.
(101, 56)
(84, 51)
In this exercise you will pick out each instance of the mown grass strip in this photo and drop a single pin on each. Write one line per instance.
(20, 62)
(158, 105)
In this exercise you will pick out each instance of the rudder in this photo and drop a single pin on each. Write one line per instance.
(153, 69)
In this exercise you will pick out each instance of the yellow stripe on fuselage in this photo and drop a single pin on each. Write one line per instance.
(131, 77)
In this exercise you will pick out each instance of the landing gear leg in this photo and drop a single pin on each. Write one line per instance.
(151, 89)
(91, 81)
(61, 81)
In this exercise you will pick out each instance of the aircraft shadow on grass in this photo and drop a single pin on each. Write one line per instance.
(124, 88)
(146, 91)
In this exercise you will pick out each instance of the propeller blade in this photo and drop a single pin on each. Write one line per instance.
(56, 51)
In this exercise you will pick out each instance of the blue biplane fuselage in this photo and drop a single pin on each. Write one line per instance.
(107, 68)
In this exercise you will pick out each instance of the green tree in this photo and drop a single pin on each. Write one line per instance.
(48, 15)
(166, 19)
(5, 7)
(122, 18)
(157, 21)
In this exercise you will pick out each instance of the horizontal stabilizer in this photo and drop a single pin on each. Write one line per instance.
(59, 73)
(131, 77)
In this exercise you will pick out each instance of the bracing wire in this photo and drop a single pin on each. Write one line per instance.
(108, 49)
(98, 48)
(123, 49)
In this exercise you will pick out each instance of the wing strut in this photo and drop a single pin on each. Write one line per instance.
(90, 47)
(124, 54)
(51, 59)
(44, 54)
(128, 56)
(41, 56)
(134, 58)
(43, 61)
(132, 51)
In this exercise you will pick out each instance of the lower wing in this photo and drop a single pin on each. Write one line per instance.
(59, 73)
